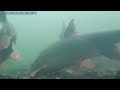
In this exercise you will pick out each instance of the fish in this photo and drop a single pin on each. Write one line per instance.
(73, 49)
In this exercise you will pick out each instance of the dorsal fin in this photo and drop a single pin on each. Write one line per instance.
(69, 31)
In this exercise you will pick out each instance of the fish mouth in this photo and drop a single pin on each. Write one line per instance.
(35, 71)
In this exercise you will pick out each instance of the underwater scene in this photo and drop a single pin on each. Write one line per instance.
(59, 44)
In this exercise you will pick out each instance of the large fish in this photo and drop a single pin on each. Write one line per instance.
(73, 49)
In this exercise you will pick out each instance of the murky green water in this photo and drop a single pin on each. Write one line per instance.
(37, 32)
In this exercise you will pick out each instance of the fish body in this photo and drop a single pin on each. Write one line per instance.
(72, 50)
